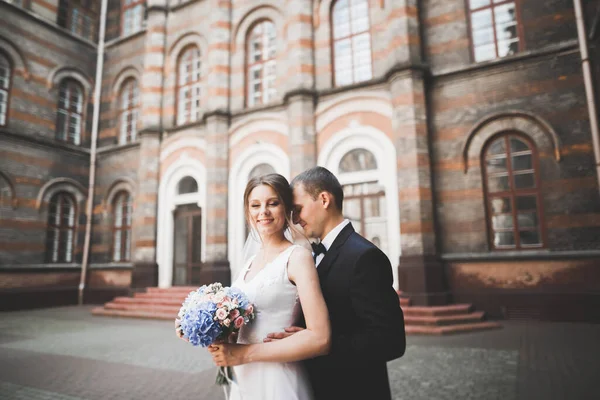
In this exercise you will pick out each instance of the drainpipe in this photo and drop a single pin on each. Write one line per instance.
(589, 87)
(89, 209)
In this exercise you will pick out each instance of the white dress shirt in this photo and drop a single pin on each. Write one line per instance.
(329, 239)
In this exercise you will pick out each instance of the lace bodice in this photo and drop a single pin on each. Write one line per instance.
(274, 297)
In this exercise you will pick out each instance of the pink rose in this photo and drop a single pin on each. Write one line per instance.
(249, 310)
(239, 321)
(234, 314)
(221, 314)
(227, 322)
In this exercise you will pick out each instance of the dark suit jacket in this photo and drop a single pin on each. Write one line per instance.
(367, 323)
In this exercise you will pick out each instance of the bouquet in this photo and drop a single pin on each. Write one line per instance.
(214, 313)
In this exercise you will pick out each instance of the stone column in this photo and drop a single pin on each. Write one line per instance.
(216, 265)
(299, 85)
(420, 273)
(145, 272)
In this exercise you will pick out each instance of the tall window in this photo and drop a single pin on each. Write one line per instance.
(512, 193)
(189, 86)
(128, 111)
(261, 52)
(494, 29)
(70, 109)
(5, 75)
(133, 16)
(61, 228)
(351, 42)
(5, 195)
(122, 227)
(364, 195)
(79, 17)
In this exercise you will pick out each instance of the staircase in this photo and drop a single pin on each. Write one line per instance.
(164, 303)
(443, 320)
(155, 303)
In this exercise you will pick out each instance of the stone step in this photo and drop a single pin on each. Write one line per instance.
(148, 300)
(450, 329)
(174, 289)
(443, 319)
(404, 302)
(452, 309)
(143, 307)
(175, 296)
(100, 311)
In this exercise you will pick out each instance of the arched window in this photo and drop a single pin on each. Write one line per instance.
(358, 160)
(261, 169)
(5, 195)
(364, 195)
(122, 227)
(261, 52)
(351, 42)
(61, 228)
(128, 111)
(187, 185)
(133, 16)
(5, 79)
(70, 110)
(512, 193)
(189, 86)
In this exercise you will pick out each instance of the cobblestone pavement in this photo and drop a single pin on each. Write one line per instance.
(67, 354)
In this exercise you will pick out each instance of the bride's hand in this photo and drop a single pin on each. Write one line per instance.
(227, 354)
(271, 337)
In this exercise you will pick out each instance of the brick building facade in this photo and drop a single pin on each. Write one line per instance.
(459, 129)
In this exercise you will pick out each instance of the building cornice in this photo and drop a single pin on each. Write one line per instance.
(118, 148)
(519, 255)
(123, 39)
(64, 32)
(45, 143)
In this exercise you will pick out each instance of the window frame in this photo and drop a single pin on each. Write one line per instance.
(249, 100)
(189, 85)
(73, 229)
(333, 42)
(513, 193)
(8, 88)
(130, 84)
(124, 8)
(90, 12)
(519, 24)
(75, 84)
(126, 227)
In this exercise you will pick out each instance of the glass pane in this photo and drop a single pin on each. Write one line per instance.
(187, 185)
(498, 183)
(527, 220)
(502, 222)
(517, 145)
(507, 47)
(481, 20)
(498, 146)
(501, 205)
(495, 165)
(530, 238)
(261, 169)
(341, 19)
(474, 4)
(483, 36)
(358, 160)
(180, 245)
(525, 203)
(360, 16)
(117, 246)
(523, 162)
(486, 52)
(353, 213)
(504, 239)
(372, 207)
(505, 14)
(524, 181)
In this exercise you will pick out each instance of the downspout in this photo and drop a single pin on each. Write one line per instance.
(89, 209)
(589, 87)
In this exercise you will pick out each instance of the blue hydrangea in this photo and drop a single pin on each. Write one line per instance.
(199, 327)
(241, 298)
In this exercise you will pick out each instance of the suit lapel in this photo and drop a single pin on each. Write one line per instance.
(334, 251)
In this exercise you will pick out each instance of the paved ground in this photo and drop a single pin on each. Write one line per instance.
(65, 353)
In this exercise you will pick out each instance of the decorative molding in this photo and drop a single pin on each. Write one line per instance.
(529, 124)
(60, 184)
(14, 202)
(121, 184)
(59, 73)
(263, 11)
(127, 72)
(15, 56)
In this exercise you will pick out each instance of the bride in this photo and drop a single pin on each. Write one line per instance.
(279, 279)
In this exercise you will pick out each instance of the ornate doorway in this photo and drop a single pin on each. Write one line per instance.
(187, 244)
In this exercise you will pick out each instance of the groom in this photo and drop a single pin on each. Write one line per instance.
(367, 324)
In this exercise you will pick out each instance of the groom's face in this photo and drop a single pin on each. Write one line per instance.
(308, 212)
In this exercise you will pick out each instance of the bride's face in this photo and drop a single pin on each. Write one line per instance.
(266, 211)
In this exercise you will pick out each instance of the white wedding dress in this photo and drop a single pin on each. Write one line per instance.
(277, 306)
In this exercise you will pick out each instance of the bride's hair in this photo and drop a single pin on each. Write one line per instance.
(280, 186)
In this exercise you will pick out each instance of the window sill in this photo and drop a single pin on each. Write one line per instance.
(502, 255)
(115, 148)
(122, 39)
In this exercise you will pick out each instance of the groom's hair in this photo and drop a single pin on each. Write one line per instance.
(318, 179)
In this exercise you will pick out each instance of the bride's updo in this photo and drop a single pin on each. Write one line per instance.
(280, 186)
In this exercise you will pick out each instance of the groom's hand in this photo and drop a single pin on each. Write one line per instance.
(282, 335)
